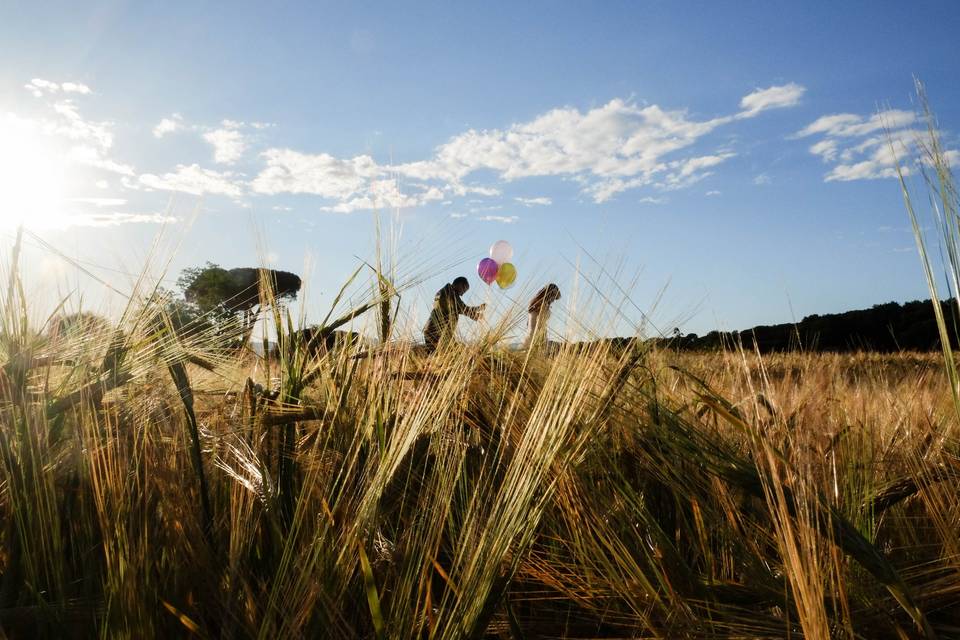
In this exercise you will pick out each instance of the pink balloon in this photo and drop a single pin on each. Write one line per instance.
(501, 251)
(487, 270)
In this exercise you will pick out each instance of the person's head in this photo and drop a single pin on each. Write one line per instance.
(461, 285)
(544, 298)
(552, 293)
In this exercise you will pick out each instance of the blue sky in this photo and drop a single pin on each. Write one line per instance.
(730, 152)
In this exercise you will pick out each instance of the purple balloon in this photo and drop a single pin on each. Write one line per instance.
(487, 270)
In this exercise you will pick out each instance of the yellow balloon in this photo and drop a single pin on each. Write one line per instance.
(506, 274)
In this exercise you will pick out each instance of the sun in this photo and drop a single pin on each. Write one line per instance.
(33, 175)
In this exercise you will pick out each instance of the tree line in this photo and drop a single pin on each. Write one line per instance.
(883, 328)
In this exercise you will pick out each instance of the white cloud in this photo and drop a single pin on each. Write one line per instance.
(691, 166)
(83, 141)
(114, 219)
(826, 149)
(607, 150)
(40, 87)
(68, 219)
(72, 125)
(680, 174)
(787, 95)
(604, 190)
(75, 87)
(239, 124)
(458, 215)
(864, 170)
(866, 147)
(128, 183)
(612, 144)
(652, 200)
(464, 190)
(195, 180)
(290, 171)
(383, 194)
(228, 144)
(102, 184)
(169, 125)
(503, 219)
(762, 179)
(229, 139)
(101, 202)
(687, 172)
(533, 202)
(94, 157)
(851, 125)
(355, 184)
(712, 192)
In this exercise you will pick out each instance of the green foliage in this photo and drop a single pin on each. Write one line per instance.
(206, 287)
(214, 289)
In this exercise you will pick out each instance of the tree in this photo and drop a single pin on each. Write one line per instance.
(187, 320)
(223, 293)
(206, 287)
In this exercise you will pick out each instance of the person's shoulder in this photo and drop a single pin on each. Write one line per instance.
(445, 294)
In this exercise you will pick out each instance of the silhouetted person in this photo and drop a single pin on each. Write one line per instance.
(539, 311)
(448, 306)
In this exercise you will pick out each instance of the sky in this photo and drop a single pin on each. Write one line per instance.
(722, 164)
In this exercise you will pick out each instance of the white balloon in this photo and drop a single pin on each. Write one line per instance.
(501, 251)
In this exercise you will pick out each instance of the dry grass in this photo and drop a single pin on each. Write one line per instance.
(477, 493)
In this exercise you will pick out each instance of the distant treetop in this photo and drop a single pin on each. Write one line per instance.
(235, 289)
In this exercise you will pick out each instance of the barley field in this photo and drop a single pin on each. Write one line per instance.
(160, 486)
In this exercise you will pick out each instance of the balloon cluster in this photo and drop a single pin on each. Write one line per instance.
(498, 266)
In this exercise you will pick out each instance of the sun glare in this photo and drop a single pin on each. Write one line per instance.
(33, 172)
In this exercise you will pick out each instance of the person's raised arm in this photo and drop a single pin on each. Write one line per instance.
(475, 313)
(459, 306)
(463, 308)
